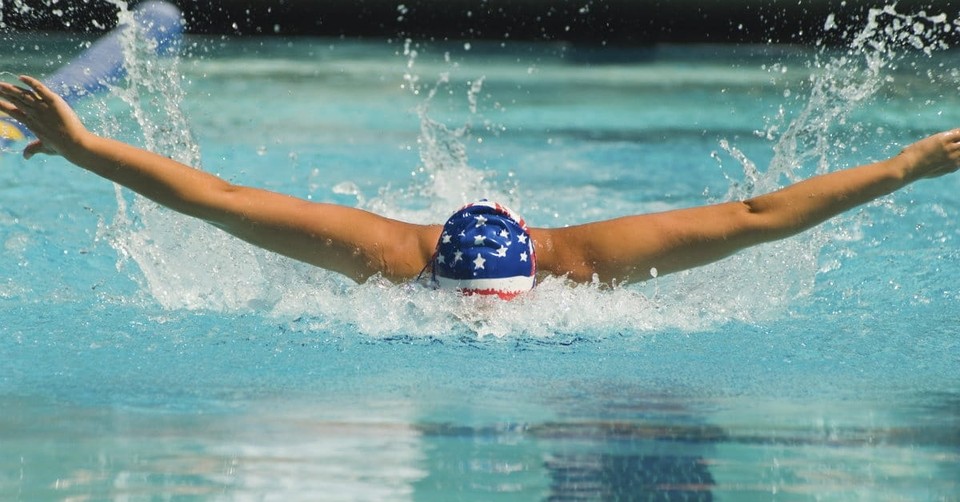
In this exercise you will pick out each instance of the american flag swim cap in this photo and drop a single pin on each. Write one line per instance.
(485, 249)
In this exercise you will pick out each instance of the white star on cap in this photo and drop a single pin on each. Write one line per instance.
(478, 240)
(440, 258)
(478, 263)
(446, 238)
(522, 239)
(481, 220)
(501, 252)
(457, 256)
(523, 256)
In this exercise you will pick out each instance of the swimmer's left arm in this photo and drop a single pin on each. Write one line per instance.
(627, 248)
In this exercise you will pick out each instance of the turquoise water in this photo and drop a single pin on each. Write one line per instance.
(146, 356)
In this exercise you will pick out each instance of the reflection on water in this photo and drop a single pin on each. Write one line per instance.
(604, 476)
(380, 451)
(68, 451)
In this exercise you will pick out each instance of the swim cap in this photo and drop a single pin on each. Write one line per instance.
(485, 249)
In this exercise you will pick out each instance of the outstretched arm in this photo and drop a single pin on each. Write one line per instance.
(353, 242)
(628, 248)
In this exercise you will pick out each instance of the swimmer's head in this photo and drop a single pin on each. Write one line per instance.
(485, 249)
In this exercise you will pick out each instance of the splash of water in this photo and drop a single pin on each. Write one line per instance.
(182, 262)
(444, 178)
(161, 243)
(839, 85)
(842, 84)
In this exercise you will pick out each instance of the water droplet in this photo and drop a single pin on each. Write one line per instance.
(830, 23)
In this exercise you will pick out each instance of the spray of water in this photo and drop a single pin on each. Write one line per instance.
(843, 83)
(811, 139)
(185, 264)
(179, 262)
(761, 282)
(444, 179)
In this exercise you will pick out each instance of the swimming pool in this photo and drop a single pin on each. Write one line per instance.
(147, 356)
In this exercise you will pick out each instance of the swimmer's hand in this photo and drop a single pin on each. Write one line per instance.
(931, 157)
(57, 128)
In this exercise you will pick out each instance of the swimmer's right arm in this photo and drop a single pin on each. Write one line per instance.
(350, 241)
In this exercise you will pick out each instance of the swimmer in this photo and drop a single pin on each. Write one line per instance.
(484, 248)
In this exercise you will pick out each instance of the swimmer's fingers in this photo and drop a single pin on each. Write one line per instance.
(34, 147)
(20, 97)
(40, 93)
(34, 94)
(951, 139)
(9, 96)
(36, 101)
(18, 103)
(46, 114)
(42, 97)
(952, 150)
(933, 156)
(8, 108)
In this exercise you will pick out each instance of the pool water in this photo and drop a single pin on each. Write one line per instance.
(143, 355)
